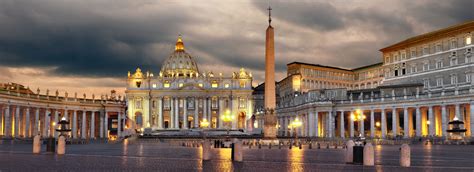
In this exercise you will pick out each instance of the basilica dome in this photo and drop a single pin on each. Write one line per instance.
(179, 62)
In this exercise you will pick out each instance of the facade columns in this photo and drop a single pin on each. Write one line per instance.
(361, 126)
(83, 126)
(221, 111)
(342, 129)
(56, 119)
(196, 113)
(47, 115)
(92, 134)
(458, 112)
(316, 121)
(204, 109)
(160, 112)
(171, 114)
(176, 113)
(185, 113)
(209, 111)
(234, 107)
(431, 120)
(330, 124)
(405, 123)
(384, 123)
(372, 123)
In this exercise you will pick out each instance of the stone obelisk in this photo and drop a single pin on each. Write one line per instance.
(269, 130)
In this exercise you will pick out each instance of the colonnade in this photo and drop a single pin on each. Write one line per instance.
(381, 121)
(26, 121)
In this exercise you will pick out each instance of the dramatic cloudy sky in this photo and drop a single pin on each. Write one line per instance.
(88, 46)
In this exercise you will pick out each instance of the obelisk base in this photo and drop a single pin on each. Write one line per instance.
(270, 122)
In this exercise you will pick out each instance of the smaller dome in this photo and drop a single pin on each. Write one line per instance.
(179, 63)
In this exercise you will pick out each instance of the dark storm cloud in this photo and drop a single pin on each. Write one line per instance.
(108, 37)
(315, 14)
(80, 39)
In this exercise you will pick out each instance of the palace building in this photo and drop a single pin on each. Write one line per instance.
(181, 95)
(422, 83)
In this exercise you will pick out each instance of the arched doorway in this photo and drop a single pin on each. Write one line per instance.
(241, 120)
(138, 119)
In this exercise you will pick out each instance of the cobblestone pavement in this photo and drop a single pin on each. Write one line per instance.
(145, 156)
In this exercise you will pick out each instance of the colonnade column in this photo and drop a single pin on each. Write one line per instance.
(185, 113)
(92, 134)
(384, 123)
(457, 112)
(444, 121)
(8, 122)
(351, 125)
(361, 126)
(471, 114)
(28, 123)
(176, 112)
(160, 112)
(74, 124)
(56, 119)
(418, 121)
(119, 125)
(431, 120)
(46, 122)
(316, 121)
(101, 124)
(372, 123)
(37, 120)
(311, 122)
(394, 122)
(342, 125)
(17, 121)
(106, 124)
(83, 126)
(406, 129)
(234, 107)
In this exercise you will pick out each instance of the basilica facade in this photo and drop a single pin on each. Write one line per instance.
(181, 96)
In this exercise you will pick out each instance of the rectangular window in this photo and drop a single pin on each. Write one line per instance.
(439, 64)
(439, 82)
(454, 79)
(425, 51)
(453, 44)
(438, 48)
(468, 40)
(413, 53)
(154, 85)
(426, 83)
(214, 84)
(166, 84)
(468, 77)
(426, 67)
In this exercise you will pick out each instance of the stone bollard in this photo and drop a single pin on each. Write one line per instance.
(206, 150)
(405, 157)
(37, 144)
(300, 145)
(237, 150)
(349, 151)
(310, 146)
(270, 145)
(259, 145)
(369, 155)
(319, 146)
(279, 145)
(61, 145)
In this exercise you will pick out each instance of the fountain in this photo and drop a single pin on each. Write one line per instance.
(456, 133)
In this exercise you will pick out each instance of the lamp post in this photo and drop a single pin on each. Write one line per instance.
(294, 125)
(358, 116)
(227, 118)
(204, 124)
